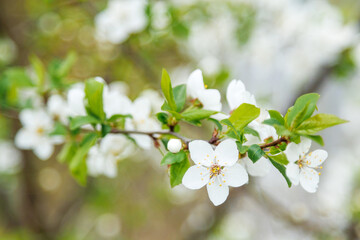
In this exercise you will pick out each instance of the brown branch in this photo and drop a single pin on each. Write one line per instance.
(274, 143)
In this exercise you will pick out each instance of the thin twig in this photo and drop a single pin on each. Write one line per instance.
(274, 143)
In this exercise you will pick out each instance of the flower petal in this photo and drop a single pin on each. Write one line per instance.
(292, 152)
(234, 89)
(235, 176)
(44, 150)
(196, 177)
(293, 173)
(144, 141)
(195, 83)
(258, 169)
(226, 153)
(305, 145)
(217, 191)
(309, 179)
(210, 99)
(24, 139)
(201, 153)
(315, 158)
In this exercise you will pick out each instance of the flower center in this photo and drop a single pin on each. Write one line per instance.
(40, 131)
(215, 170)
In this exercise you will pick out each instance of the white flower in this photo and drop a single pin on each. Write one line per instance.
(236, 95)
(141, 120)
(174, 145)
(209, 98)
(155, 99)
(103, 158)
(37, 125)
(120, 19)
(75, 100)
(160, 15)
(10, 157)
(115, 102)
(57, 107)
(301, 167)
(217, 169)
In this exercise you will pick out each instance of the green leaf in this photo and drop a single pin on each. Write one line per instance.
(78, 163)
(177, 172)
(255, 152)
(243, 115)
(277, 116)
(195, 114)
(280, 158)
(66, 65)
(242, 148)
(249, 130)
(281, 168)
(105, 129)
(316, 138)
(296, 115)
(94, 98)
(167, 90)
(217, 123)
(318, 122)
(117, 117)
(180, 96)
(67, 152)
(232, 131)
(171, 158)
(280, 129)
(79, 121)
(162, 117)
(39, 70)
(59, 129)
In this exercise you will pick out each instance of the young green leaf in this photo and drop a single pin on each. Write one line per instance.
(171, 158)
(281, 168)
(217, 123)
(180, 96)
(67, 64)
(316, 138)
(255, 152)
(78, 163)
(177, 172)
(249, 130)
(59, 129)
(242, 148)
(296, 115)
(280, 158)
(117, 117)
(167, 90)
(79, 121)
(243, 115)
(67, 152)
(94, 98)
(317, 123)
(195, 114)
(39, 70)
(276, 115)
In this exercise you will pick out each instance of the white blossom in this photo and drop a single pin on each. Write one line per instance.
(174, 145)
(103, 158)
(120, 19)
(301, 167)
(58, 109)
(10, 157)
(37, 125)
(217, 169)
(209, 98)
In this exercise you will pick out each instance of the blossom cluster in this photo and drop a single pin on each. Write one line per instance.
(247, 140)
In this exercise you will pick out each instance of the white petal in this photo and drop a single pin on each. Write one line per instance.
(144, 141)
(195, 83)
(315, 158)
(210, 99)
(293, 173)
(110, 167)
(24, 139)
(196, 177)
(201, 153)
(258, 169)
(235, 176)
(234, 89)
(44, 150)
(226, 153)
(309, 179)
(293, 152)
(141, 108)
(217, 191)
(305, 145)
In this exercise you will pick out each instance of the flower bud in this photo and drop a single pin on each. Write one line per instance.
(174, 145)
